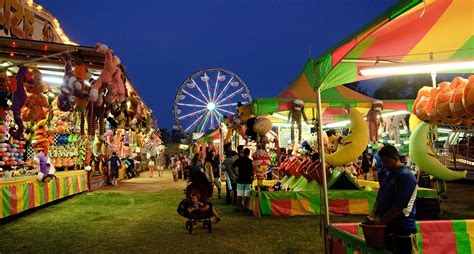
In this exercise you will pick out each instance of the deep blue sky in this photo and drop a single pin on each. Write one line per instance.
(162, 42)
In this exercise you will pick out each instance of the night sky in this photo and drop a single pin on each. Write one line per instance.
(162, 42)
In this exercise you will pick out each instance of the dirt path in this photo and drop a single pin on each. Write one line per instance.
(144, 183)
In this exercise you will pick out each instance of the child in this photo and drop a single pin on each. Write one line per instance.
(196, 205)
(151, 167)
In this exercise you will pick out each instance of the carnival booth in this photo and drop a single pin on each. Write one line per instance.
(64, 109)
(405, 40)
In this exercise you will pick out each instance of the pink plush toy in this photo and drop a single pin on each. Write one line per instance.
(109, 78)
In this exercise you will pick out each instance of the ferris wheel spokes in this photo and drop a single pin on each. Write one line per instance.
(192, 114)
(227, 105)
(200, 91)
(225, 88)
(195, 123)
(190, 105)
(230, 95)
(224, 110)
(206, 79)
(205, 122)
(216, 85)
(190, 94)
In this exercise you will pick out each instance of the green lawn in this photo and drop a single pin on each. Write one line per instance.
(148, 222)
(141, 217)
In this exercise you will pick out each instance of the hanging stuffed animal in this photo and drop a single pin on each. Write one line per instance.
(36, 106)
(374, 117)
(394, 128)
(110, 78)
(19, 98)
(72, 87)
(294, 116)
(5, 95)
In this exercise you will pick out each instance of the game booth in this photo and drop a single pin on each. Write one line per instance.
(64, 109)
(403, 40)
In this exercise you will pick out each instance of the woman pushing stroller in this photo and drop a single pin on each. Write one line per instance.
(199, 189)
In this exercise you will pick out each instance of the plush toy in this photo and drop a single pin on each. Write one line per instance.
(456, 101)
(374, 118)
(46, 168)
(72, 87)
(5, 95)
(261, 162)
(19, 98)
(42, 137)
(442, 105)
(109, 78)
(294, 117)
(394, 128)
(36, 106)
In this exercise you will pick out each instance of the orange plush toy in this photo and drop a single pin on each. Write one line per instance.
(36, 106)
(442, 105)
(458, 85)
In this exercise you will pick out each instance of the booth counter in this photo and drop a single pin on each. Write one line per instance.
(22, 193)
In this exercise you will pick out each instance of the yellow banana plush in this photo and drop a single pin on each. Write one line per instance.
(414, 121)
(425, 159)
(353, 145)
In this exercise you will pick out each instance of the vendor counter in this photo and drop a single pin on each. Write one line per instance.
(22, 193)
(307, 201)
(442, 236)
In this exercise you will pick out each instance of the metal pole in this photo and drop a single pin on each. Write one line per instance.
(33, 60)
(323, 171)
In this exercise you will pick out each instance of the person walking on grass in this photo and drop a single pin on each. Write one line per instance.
(244, 179)
(151, 166)
(114, 165)
(197, 162)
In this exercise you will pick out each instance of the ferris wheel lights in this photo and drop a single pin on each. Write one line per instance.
(211, 106)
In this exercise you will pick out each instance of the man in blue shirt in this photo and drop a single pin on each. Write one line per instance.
(395, 205)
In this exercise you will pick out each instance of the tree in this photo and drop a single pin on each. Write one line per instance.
(356, 86)
(396, 87)
(165, 135)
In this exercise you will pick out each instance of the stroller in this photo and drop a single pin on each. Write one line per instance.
(197, 215)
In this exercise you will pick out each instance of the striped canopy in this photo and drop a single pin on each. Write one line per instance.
(410, 31)
(333, 100)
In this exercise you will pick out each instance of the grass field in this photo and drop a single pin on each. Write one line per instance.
(140, 216)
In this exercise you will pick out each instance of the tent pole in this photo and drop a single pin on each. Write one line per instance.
(323, 172)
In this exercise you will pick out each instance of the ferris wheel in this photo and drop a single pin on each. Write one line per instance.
(205, 97)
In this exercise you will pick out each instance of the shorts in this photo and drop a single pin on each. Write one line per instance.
(160, 168)
(406, 243)
(217, 182)
(243, 189)
(114, 173)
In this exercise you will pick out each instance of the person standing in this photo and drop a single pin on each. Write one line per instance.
(395, 205)
(161, 164)
(366, 164)
(114, 165)
(175, 169)
(231, 178)
(209, 169)
(197, 162)
(216, 169)
(244, 179)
